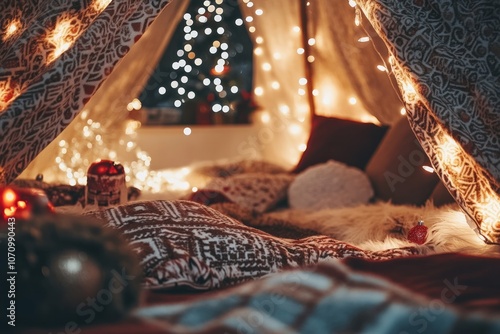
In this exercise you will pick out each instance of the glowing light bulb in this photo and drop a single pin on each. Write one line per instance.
(100, 5)
(12, 28)
(284, 109)
(295, 129)
(382, 68)
(409, 92)
(134, 105)
(450, 154)
(357, 19)
(266, 67)
(428, 169)
(265, 117)
(9, 197)
(61, 38)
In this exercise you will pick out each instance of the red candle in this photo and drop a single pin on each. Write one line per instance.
(22, 203)
(105, 184)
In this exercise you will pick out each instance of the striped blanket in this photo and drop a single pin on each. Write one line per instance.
(329, 297)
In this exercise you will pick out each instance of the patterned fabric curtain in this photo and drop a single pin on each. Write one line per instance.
(106, 114)
(53, 57)
(343, 70)
(446, 57)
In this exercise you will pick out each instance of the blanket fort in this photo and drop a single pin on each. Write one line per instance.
(444, 55)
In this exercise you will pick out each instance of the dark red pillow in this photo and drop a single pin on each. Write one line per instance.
(350, 142)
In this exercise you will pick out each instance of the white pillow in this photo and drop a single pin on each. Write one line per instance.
(329, 185)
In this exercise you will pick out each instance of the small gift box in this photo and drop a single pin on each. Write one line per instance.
(105, 184)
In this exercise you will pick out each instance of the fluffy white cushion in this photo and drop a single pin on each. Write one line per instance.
(329, 185)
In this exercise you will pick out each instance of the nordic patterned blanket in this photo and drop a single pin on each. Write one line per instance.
(330, 297)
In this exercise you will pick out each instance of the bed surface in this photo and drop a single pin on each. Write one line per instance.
(459, 287)
(234, 263)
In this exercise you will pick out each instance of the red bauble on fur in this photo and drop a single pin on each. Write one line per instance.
(418, 234)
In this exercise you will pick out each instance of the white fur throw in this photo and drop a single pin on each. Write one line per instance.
(329, 185)
(384, 226)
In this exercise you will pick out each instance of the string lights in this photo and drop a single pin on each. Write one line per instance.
(66, 30)
(13, 27)
(471, 189)
(8, 89)
(100, 5)
(290, 122)
(75, 155)
(458, 166)
(62, 37)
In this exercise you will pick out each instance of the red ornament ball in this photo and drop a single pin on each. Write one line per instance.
(22, 203)
(418, 233)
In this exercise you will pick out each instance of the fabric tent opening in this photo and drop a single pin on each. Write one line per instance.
(445, 63)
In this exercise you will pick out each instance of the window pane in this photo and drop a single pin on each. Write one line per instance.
(205, 74)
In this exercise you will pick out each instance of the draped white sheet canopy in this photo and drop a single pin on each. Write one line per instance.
(60, 70)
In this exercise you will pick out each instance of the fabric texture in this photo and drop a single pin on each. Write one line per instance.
(441, 196)
(44, 84)
(255, 191)
(106, 114)
(229, 168)
(374, 227)
(186, 244)
(327, 298)
(329, 185)
(342, 68)
(274, 226)
(395, 169)
(447, 62)
(343, 140)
